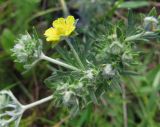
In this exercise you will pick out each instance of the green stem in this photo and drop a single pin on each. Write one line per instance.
(46, 99)
(75, 53)
(44, 57)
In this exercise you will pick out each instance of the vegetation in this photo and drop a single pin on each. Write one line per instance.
(79, 63)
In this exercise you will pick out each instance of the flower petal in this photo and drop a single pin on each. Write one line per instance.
(61, 28)
(69, 30)
(52, 34)
(70, 20)
(60, 22)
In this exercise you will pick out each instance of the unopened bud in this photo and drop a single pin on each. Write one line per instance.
(108, 71)
(150, 23)
(89, 74)
(27, 48)
(115, 48)
(67, 96)
(126, 58)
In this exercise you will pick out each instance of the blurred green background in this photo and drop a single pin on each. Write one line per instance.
(141, 98)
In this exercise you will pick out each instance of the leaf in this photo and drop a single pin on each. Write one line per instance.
(119, 31)
(133, 4)
(156, 81)
(131, 23)
(7, 40)
(152, 74)
(85, 116)
(132, 73)
(74, 111)
(130, 18)
(93, 96)
(153, 12)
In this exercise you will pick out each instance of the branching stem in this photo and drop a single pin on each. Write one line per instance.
(44, 57)
(46, 99)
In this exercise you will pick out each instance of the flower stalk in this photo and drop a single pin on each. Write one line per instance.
(46, 99)
(44, 57)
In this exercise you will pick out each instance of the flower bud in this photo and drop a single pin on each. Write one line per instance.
(67, 96)
(108, 71)
(27, 48)
(126, 58)
(79, 85)
(115, 48)
(89, 74)
(150, 23)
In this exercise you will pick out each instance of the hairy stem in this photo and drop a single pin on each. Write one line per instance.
(46, 99)
(44, 57)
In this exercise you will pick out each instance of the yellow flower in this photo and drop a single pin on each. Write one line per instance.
(61, 28)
